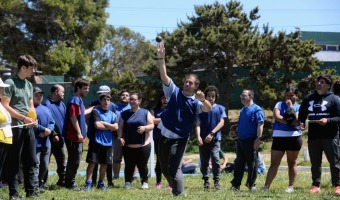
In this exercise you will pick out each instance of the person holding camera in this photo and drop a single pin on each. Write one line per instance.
(286, 138)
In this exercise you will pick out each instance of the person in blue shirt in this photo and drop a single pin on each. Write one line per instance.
(156, 113)
(113, 107)
(177, 121)
(103, 121)
(208, 134)
(133, 133)
(123, 105)
(249, 132)
(42, 132)
(287, 138)
(58, 110)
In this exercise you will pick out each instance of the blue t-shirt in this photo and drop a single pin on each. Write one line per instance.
(112, 106)
(45, 120)
(103, 137)
(249, 119)
(209, 120)
(284, 127)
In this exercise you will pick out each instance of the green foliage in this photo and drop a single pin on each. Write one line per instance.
(44, 28)
(124, 50)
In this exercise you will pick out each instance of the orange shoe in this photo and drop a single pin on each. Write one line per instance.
(337, 190)
(315, 190)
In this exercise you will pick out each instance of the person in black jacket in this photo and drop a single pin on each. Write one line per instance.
(322, 108)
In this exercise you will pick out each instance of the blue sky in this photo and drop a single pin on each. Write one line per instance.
(149, 17)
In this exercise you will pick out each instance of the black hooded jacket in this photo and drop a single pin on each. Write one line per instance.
(315, 107)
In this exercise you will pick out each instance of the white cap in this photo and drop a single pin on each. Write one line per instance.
(104, 89)
(2, 84)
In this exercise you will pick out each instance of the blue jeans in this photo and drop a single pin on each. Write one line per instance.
(171, 153)
(41, 168)
(207, 151)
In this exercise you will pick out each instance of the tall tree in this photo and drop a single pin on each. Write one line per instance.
(221, 37)
(124, 50)
(45, 28)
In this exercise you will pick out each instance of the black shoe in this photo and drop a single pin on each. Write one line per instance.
(217, 185)
(14, 197)
(206, 184)
(74, 188)
(32, 195)
(61, 183)
(110, 184)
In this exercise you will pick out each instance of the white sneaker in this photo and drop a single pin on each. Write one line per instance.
(145, 185)
(289, 189)
(127, 185)
(264, 189)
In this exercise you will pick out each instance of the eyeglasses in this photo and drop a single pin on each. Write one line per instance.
(133, 99)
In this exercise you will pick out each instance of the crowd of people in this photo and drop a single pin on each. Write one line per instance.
(33, 129)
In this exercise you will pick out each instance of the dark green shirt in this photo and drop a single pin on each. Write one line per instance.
(20, 92)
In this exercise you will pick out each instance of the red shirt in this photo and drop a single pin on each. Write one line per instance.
(71, 132)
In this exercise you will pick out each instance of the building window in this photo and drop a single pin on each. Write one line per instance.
(323, 47)
(331, 48)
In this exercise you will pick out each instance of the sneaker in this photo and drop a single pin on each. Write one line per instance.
(75, 188)
(252, 189)
(110, 184)
(40, 190)
(102, 187)
(61, 183)
(314, 190)
(234, 188)
(15, 197)
(206, 184)
(217, 185)
(337, 190)
(264, 189)
(289, 189)
(159, 186)
(88, 187)
(127, 185)
(168, 187)
(145, 185)
(32, 195)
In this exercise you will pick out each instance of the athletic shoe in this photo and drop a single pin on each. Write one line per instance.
(206, 184)
(337, 190)
(102, 187)
(264, 189)
(168, 187)
(88, 187)
(127, 185)
(314, 190)
(289, 189)
(234, 188)
(252, 189)
(217, 185)
(145, 185)
(110, 184)
(159, 186)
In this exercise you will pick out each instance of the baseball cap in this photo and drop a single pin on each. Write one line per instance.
(2, 84)
(104, 89)
(38, 90)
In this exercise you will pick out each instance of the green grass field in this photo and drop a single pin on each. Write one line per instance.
(194, 189)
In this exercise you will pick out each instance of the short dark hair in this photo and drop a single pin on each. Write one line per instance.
(293, 89)
(80, 83)
(26, 60)
(123, 90)
(139, 95)
(327, 78)
(103, 95)
(336, 87)
(211, 88)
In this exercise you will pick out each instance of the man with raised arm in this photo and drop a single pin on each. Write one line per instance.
(177, 121)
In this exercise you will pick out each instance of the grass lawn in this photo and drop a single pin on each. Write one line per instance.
(194, 189)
